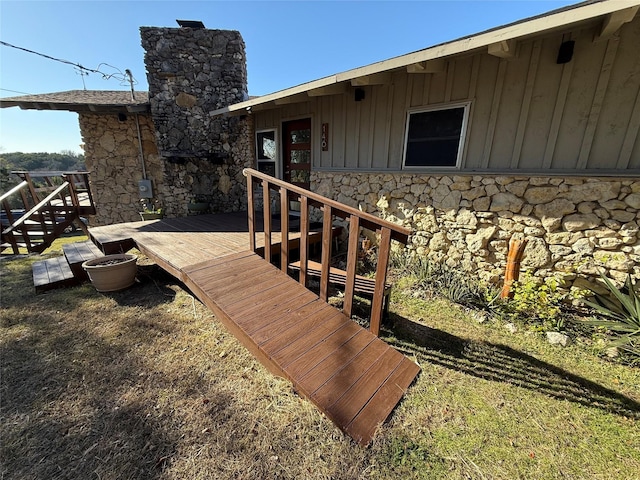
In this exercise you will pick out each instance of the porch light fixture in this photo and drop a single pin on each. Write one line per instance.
(565, 53)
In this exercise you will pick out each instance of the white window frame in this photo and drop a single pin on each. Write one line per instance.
(463, 134)
(277, 161)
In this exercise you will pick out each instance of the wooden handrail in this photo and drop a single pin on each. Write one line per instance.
(330, 208)
(35, 209)
(13, 191)
(53, 213)
(49, 173)
(367, 220)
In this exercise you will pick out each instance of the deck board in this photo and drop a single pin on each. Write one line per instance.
(344, 409)
(347, 372)
(293, 325)
(333, 368)
(323, 353)
(378, 407)
(52, 273)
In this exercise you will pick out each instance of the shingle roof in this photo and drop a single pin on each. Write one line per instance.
(81, 101)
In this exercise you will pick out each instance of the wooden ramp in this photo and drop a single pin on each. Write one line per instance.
(345, 370)
(351, 375)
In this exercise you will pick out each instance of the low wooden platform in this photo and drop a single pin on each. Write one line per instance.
(347, 372)
(52, 273)
(363, 285)
(177, 242)
(79, 252)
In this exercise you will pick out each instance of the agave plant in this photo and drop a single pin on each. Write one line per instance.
(621, 312)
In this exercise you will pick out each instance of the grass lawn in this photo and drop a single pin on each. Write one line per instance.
(146, 383)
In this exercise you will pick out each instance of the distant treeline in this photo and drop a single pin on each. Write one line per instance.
(64, 161)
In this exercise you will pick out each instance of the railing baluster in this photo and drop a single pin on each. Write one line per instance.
(72, 189)
(352, 262)
(284, 229)
(266, 208)
(10, 237)
(330, 208)
(327, 230)
(251, 213)
(304, 238)
(25, 200)
(87, 187)
(381, 278)
(32, 188)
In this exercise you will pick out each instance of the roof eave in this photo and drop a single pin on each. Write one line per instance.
(76, 107)
(537, 25)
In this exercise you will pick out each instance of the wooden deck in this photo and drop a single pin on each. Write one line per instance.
(175, 243)
(351, 375)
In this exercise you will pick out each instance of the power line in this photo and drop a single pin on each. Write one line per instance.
(14, 91)
(49, 57)
(124, 78)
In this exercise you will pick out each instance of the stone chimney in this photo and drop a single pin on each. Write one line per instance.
(191, 72)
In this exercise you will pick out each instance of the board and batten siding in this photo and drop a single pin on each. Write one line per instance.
(527, 113)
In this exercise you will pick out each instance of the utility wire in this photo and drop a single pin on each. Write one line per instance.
(49, 57)
(14, 91)
(125, 79)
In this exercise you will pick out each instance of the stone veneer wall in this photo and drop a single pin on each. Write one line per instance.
(222, 185)
(576, 227)
(112, 156)
(192, 72)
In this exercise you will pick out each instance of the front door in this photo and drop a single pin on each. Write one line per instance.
(297, 152)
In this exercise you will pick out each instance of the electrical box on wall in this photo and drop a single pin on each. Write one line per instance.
(144, 188)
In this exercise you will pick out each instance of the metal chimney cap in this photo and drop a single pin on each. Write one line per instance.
(190, 23)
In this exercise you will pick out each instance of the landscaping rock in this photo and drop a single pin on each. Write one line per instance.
(511, 328)
(557, 338)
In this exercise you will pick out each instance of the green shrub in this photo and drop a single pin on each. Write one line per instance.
(437, 278)
(540, 304)
(619, 314)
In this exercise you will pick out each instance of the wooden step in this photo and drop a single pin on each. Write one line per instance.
(52, 273)
(79, 252)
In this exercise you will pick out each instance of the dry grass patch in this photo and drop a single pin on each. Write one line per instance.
(146, 383)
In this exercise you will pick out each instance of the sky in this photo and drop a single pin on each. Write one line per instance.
(287, 43)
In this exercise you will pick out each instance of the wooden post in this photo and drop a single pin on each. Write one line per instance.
(377, 303)
(266, 209)
(251, 212)
(304, 238)
(327, 228)
(352, 262)
(284, 229)
(512, 271)
(72, 191)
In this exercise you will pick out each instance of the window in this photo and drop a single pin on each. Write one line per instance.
(435, 137)
(267, 152)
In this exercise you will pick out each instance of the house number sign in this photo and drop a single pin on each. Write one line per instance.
(325, 137)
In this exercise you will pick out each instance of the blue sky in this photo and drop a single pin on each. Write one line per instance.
(287, 43)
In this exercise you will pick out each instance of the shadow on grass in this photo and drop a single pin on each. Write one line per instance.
(69, 407)
(501, 363)
(64, 417)
(138, 294)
